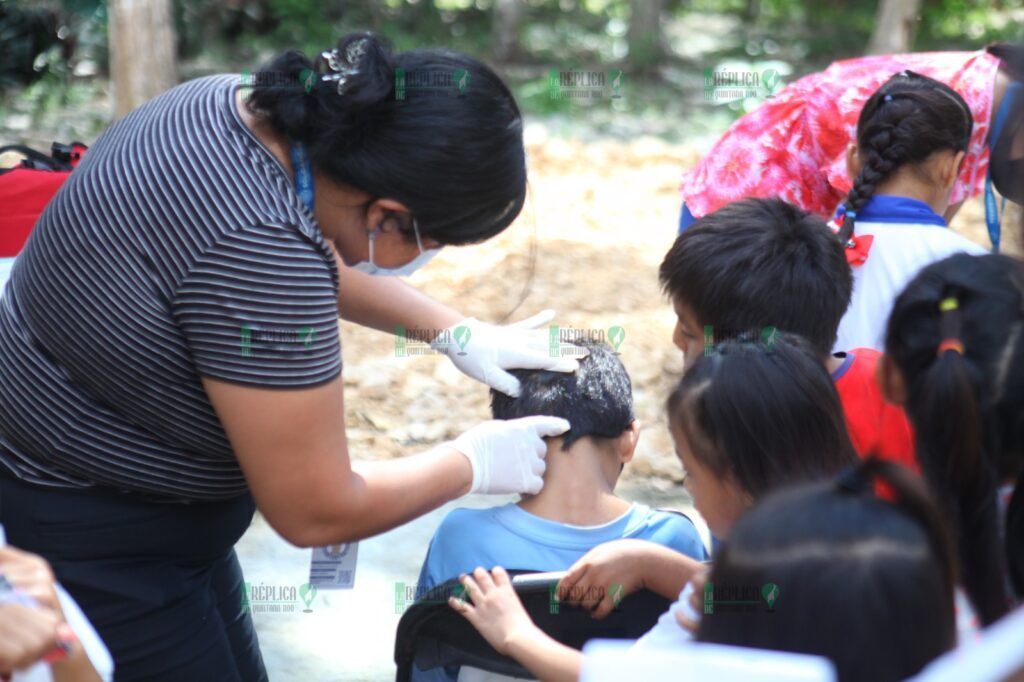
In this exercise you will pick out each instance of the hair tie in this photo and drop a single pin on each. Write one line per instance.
(955, 345)
(949, 326)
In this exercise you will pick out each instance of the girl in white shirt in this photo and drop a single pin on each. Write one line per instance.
(912, 136)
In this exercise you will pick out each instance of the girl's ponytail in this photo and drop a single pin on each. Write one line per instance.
(954, 336)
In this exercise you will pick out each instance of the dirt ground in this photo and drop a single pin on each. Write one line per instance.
(599, 219)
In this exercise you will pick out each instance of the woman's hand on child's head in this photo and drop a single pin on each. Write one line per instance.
(603, 576)
(492, 606)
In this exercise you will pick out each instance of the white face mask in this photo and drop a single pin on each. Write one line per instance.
(371, 268)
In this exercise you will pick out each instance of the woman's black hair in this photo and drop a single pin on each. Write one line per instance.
(905, 121)
(1012, 57)
(956, 334)
(840, 573)
(434, 129)
(764, 412)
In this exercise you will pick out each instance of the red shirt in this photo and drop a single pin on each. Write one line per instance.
(875, 426)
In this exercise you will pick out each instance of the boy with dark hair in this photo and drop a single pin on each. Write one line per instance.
(577, 508)
(763, 263)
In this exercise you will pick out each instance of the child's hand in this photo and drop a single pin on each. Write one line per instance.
(32, 576)
(697, 582)
(495, 611)
(26, 635)
(603, 576)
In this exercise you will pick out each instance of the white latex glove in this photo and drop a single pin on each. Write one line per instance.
(507, 456)
(491, 349)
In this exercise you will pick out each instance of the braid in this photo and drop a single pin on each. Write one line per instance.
(885, 153)
(903, 122)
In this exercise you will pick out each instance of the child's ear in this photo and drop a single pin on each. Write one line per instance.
(852, 161)
(889, 377)
(952, 172)
(626, 443)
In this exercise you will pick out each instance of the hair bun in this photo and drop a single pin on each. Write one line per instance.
(359, 69)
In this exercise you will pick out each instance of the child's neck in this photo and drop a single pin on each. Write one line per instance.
(906, 184)
(577, 490)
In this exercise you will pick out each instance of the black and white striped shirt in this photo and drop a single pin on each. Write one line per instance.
(176, 249)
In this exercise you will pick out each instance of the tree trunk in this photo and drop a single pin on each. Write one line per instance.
(644, 35)
(506, 16)
(895, 25)
(142, 51)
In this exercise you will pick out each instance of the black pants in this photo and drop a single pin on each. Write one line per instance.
(160, 582)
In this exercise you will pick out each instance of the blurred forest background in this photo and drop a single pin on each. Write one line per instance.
(59, 55)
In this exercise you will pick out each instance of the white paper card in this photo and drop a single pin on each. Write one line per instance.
(333, 567)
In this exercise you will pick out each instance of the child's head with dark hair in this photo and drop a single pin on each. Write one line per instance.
(756, 264)
(912, 125)
(954, 358)
(596, 399)
(843, 574)
(753, 416)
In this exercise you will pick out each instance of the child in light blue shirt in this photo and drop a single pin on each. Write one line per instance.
(577, 509)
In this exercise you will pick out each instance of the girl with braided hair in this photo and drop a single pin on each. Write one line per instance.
(954, 358)
(912, 138)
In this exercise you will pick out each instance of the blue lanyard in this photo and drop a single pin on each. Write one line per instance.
(992, 214)
(303, 174)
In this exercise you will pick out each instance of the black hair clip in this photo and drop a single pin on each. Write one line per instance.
(852, 480)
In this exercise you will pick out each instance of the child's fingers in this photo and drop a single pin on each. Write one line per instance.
(483, 577)
(603, 608)
(575, 573)
(686, 623)
(501, 578)
(472, 589)
(462, 606)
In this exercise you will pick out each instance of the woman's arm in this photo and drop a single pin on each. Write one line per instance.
(291, 445)
(383, 303)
